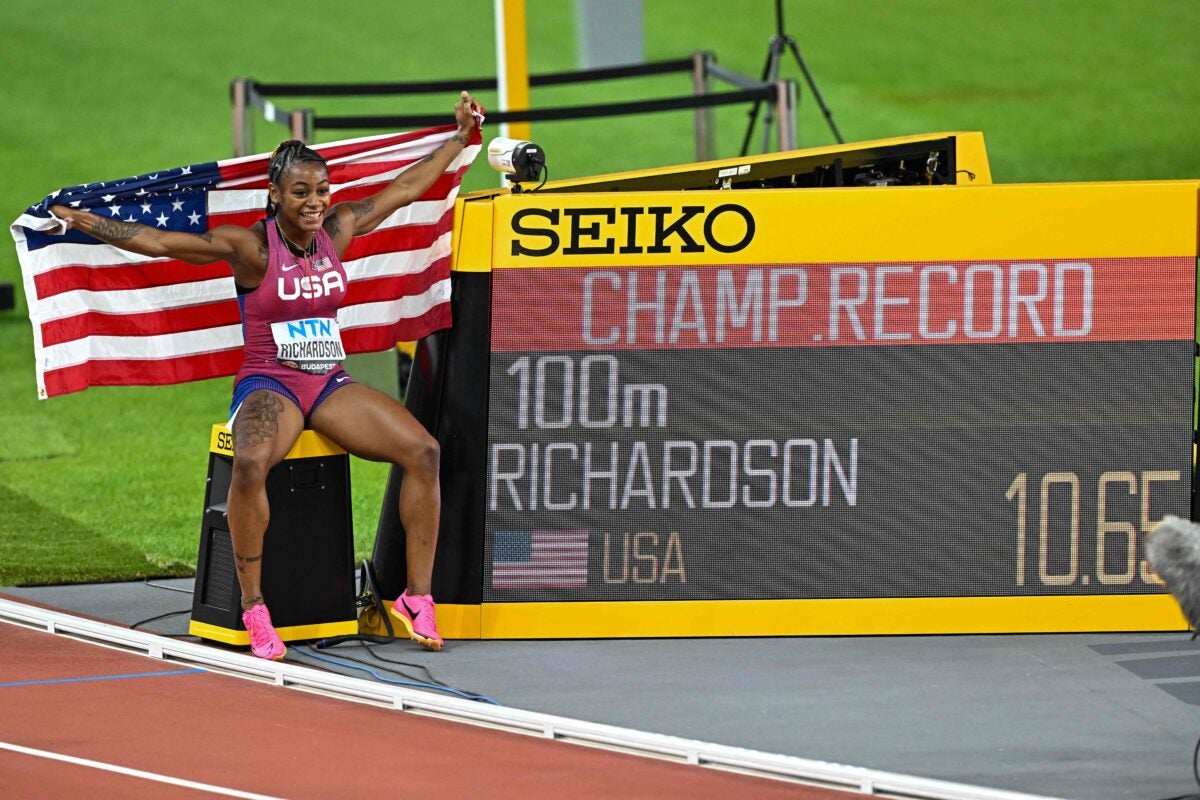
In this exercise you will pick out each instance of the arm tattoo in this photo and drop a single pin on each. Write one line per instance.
(206, 236)
(362, 208)
(258, 420)
(114, 231)
(333, 226)
(458, 137)
(259, 229)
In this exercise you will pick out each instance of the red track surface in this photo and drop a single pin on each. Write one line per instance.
(255, 737)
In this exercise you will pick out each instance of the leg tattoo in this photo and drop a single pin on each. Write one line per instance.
(258, 418)
(242, 561)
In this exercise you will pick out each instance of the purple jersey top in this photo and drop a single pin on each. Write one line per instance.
(289, 322)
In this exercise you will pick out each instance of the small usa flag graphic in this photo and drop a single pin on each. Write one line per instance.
(540, 559)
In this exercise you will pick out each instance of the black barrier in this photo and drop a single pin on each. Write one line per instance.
(431, 87)
(769, 92)
(249, 93)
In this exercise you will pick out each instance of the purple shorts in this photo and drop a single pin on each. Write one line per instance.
(306, 391)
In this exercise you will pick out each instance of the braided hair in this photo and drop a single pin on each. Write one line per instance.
(293, 151)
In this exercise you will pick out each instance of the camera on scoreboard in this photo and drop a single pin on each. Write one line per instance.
(520, 161)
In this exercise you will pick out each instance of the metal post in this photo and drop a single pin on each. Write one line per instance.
(704, 116)
(300, 123)
(309, 125)
(785, 114)
(238, 95)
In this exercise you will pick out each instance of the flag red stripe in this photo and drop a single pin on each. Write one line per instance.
(332, 151)
(135, 372)
(150, 323)
(377, 290)
(247, 169)
(353, 171)
(242, 219)
(131, 276)
(440, 190)
(383, 337)
(338, 173)
(392, 240)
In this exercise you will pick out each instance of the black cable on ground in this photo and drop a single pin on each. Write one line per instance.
(334, 641)
(383, 679)
(429, 676)
(168, 588)
(138, 624)
(1196, 764)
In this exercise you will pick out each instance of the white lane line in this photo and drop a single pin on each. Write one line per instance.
(136, 773)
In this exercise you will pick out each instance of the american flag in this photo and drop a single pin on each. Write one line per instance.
(539, 559)
(106, 317)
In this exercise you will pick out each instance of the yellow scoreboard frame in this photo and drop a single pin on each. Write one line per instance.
(1096, 278)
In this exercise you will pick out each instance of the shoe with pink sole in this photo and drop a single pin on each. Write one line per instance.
(264, 641)
(418, 614)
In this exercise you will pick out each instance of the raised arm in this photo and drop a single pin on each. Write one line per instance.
(245, 251)
(349, 219)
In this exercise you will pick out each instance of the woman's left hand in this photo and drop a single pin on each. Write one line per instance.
(469, 114)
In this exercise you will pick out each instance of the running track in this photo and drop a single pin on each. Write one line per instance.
(81, 720)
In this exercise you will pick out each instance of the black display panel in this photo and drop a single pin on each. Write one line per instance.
(1032, 461)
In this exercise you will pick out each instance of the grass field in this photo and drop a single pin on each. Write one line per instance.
(107, 484)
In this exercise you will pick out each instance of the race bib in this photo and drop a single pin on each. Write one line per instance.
(313, 345)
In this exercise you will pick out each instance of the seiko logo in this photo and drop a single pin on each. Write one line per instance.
(310, 286)
(727, 228)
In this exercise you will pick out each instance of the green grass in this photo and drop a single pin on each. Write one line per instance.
(107, 484)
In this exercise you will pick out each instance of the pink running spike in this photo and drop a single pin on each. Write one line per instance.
(418, 613)
(264, 641)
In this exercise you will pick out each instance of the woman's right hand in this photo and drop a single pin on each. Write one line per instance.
(69, 216)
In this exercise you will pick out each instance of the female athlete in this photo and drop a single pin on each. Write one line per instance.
(290, 277)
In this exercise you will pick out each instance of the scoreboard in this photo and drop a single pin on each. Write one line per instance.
(778, 411)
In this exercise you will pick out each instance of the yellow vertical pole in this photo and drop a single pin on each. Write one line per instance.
(512, 65)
